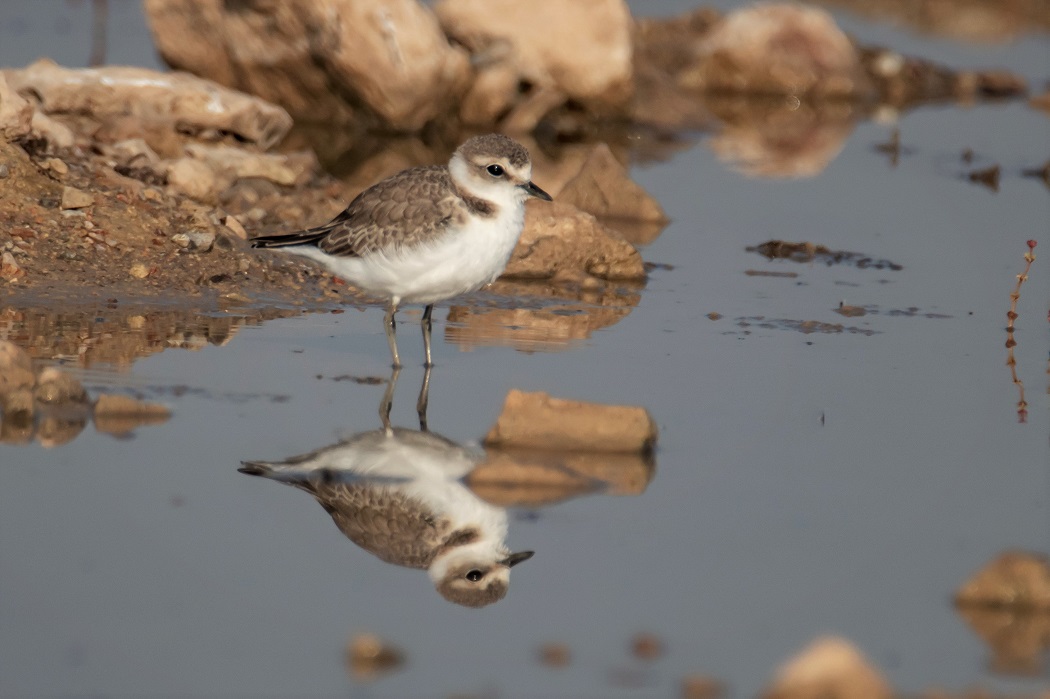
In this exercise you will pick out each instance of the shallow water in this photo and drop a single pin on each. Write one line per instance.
(815, 473)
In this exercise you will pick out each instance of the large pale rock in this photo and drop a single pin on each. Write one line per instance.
(828, 668)
(603, 187)
(560, 241)
(1014, 579)
(194, 178)
(237, 163)
(582, 48)
(16, 114)
(181, 100)
(538, 421)
(320, 59)
(780, 49)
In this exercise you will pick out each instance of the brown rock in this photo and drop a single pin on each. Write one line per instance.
(178, 99)
(16, 368)
(536, 420)
(394, 56)
(119, 415)
(559, 238)
(581, 49)
(193, 178)
(1014, 579)
(73, 198)
(390, 56)
(16, 114)
(57, 134)
(777, 49)
(604, 188)
(56, 387)
(236, 163)
(829, 668)
(132, 153)
(9, 267)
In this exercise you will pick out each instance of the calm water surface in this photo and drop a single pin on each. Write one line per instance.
(806, 482)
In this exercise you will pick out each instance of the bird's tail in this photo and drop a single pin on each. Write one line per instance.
(308, 237)
(257, 468)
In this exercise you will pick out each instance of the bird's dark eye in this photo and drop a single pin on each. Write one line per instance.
(495, 170)
(475, 575)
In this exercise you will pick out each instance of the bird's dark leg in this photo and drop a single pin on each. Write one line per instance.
(424, 399)
(388, 399)
(388, 322)
(426, 333)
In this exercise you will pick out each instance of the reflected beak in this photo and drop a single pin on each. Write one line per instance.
(534, 191)
(516, 558)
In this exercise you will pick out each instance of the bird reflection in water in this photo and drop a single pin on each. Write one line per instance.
(399, 494)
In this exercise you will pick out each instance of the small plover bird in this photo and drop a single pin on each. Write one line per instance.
(427, 233)
(399, 494)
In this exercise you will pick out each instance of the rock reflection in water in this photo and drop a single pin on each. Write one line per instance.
(780, 138)
(566, 317)
(118, 334)
(50, 406)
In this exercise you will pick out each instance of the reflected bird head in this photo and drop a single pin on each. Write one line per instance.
(473, 581)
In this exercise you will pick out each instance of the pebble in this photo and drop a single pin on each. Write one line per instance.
(201, 241)
(9, 269)
(234, 225)
(73, 198)
(139, 271)
(5, 171)
(646, 646)
(555, 654)
(57, 166)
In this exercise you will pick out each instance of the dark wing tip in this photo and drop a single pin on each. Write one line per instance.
(253, 468)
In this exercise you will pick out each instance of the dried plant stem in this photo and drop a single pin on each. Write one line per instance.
(1011, 315)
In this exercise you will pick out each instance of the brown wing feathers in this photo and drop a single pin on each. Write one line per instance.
(411, 206)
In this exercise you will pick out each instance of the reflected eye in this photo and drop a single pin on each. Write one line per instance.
(495, 170)
(474, 575)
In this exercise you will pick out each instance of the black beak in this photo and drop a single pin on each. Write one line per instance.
(535, 191)
(516, 558)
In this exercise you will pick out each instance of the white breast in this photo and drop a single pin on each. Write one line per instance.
(461, 260)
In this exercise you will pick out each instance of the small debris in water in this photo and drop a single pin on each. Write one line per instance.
(555, 655)
(989, 177)
(646, 646)
(770, 273)
(808, 252)
(1042, 173)
(363, 380)
(368, 657)
(851, 311)
(714, 316)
